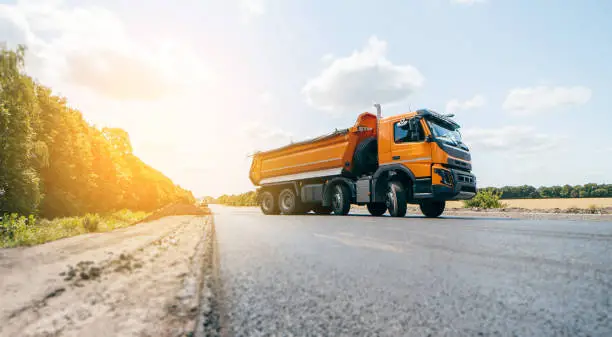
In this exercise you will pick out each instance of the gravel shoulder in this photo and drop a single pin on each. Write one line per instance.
(513, 213)
(147, 280)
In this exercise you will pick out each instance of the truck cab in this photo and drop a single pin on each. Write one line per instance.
(430, 147)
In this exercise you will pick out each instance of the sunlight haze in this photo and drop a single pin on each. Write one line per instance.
(201, 85)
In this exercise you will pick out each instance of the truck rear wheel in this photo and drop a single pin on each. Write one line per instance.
(432, 209)
(288, 202)
(377, 208)
(396, 199)
(341, 199)
(268, 204)
(322, 210)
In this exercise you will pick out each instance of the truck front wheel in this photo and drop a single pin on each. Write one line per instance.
(288, 202)
(396, 199)
(432, 209)
(268, 204)
(341, 199)
(377, 208)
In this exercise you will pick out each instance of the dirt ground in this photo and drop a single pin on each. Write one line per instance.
(152, 279)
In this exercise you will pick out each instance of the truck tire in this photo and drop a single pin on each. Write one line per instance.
(432, 208)
(377, 208)
(340, 199)
(322, 210)
(268, 204)
(395, 199)
(365, 158)
(288, 202)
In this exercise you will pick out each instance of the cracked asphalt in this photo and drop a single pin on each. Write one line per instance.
(365, 276)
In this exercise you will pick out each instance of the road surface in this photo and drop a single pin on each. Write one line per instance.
(365, 276)
(241, 273)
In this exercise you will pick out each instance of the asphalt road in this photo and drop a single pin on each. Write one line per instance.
(365, 276)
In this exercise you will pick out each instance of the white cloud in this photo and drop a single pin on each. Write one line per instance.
(535, 99)
(327, 58)
(253, 7)
(521, 140)
(355, 81)
(266, 97)
(90, 47)
(264, 137)
(468, 2)
(456, 105)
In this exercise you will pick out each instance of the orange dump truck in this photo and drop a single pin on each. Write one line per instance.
(383, 163)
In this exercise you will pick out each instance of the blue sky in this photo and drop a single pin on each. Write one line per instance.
(200, 85)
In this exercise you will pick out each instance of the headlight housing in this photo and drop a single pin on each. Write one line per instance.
(445, 176)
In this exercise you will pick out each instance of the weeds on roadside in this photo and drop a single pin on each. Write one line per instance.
(16, 230)
(485, 199)
(91, 222)
(594, 209)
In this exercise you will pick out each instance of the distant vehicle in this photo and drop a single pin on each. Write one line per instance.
(383, 163)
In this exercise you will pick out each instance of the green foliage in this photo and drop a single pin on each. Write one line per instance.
(54, 164)
(19, 115)
(566, 191)
(16, 230)
(244, 199)
(13, 227)
(485, 199)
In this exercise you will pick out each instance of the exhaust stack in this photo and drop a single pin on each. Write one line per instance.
(378, 116)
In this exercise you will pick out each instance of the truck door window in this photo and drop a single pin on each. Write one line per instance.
(403, 135)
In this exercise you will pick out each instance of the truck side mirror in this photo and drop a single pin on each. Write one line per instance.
(429, 139)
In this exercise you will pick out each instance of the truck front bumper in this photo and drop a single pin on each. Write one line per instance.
(463, 186)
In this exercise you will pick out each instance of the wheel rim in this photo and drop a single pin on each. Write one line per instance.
(287, 201)
(267, 203)
(390, 203)
(337, 198)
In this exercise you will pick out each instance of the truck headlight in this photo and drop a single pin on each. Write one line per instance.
(445, 176)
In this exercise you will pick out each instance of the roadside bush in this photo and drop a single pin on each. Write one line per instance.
(15, 229)
(485, 199)
(90, 222)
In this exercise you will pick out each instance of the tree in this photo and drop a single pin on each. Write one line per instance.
(48, 146)
(19, 179)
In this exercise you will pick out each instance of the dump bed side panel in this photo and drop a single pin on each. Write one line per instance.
(334, 151)
(315, 156)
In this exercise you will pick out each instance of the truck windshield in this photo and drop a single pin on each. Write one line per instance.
(445, 133)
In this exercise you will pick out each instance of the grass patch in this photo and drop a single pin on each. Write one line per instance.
(18, 230)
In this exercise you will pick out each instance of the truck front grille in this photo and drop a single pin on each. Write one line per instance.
(463, 178)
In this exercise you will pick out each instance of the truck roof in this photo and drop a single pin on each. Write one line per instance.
(428, 113)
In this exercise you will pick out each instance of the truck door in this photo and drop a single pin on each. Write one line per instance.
(409, 147)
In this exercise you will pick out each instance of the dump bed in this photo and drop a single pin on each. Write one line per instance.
(327, 155)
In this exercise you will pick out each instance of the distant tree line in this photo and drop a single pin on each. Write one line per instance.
(53, 163)
(243, 199)
(506, 192)
(565, 191)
